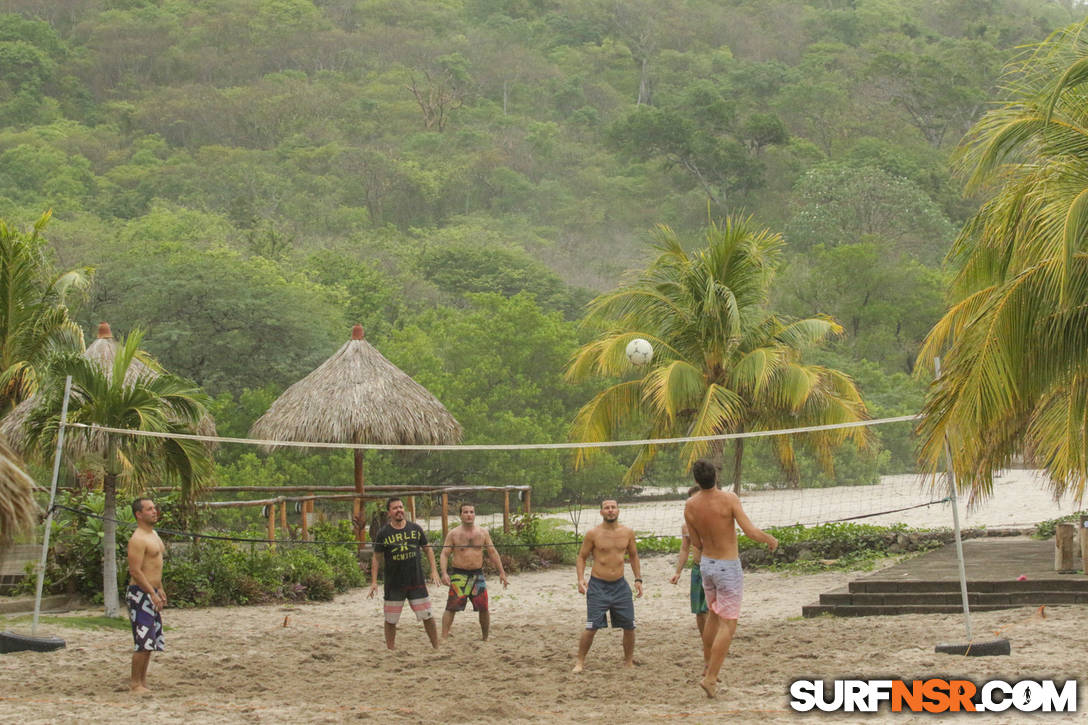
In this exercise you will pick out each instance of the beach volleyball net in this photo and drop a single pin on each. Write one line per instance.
(514, 486)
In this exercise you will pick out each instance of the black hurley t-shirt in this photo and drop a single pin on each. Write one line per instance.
(401, 547)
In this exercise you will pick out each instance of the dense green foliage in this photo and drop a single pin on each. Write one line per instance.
(250, 177)
(822, 547)
(208, 572)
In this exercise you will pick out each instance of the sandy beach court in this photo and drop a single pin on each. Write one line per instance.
(325, 663)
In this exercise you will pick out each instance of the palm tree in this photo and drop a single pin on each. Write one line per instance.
(116, 398)
(34, 319)
(18, 511)
(1014, 341)
(722, 363)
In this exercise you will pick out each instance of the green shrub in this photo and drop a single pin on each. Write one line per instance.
(345, 567)
(659, 545)
(1047, 529)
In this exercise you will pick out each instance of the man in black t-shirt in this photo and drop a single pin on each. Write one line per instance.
(399, 542)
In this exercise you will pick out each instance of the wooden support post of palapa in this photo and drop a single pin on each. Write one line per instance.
(358, 506)
(411, 508)
(445, 515)
(1063, 547)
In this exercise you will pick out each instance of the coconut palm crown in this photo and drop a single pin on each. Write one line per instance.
(34, 319)
(722, 362)
(113, 397)
(1014, 341)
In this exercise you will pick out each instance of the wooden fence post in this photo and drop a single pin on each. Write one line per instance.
(307, 507)
(445, 515)
(1063, 547)
(527, 502)
(411, 508)
(506, 511)
(271, 524)
(283, 519)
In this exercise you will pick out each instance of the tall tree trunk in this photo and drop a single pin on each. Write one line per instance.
(738, 460)
(359, 507)
(109, 547)
(644, 83)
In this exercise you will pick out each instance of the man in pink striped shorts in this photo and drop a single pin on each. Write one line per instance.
(712, 516)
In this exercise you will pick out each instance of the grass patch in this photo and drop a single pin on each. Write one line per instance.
(76, 622)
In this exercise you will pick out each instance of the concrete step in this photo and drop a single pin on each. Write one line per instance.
(889, 586)
(873, 610)
(840, 597)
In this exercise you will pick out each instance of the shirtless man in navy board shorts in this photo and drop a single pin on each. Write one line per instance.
(466, 543)
(145, 596)
(712, 516)
(607, 591)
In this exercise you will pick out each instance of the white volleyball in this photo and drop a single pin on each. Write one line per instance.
(639, 352)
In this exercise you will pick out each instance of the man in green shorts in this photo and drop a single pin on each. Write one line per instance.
(697, 595)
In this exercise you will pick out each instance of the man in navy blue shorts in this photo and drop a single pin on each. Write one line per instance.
(608, 596)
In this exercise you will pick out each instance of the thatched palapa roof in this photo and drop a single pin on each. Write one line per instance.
(357, 396)
(102, 351)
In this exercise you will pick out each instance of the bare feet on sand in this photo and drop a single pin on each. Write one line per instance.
(710, 688)
(140, 690)
(578, 667)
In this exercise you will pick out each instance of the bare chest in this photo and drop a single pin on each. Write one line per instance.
(611, 544)
(153, 548)
(468, 539)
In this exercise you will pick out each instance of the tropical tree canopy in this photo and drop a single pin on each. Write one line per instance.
(113, 397)
(34, 319)
(1014, 341)
(723, 363)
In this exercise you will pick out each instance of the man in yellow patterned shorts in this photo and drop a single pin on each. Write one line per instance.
(466, 577)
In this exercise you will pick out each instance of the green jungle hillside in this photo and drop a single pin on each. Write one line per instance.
(249, 178)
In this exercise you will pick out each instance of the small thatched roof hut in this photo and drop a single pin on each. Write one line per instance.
(357, 396)
(102, 351)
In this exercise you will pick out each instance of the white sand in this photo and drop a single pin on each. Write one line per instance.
(329, 665)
